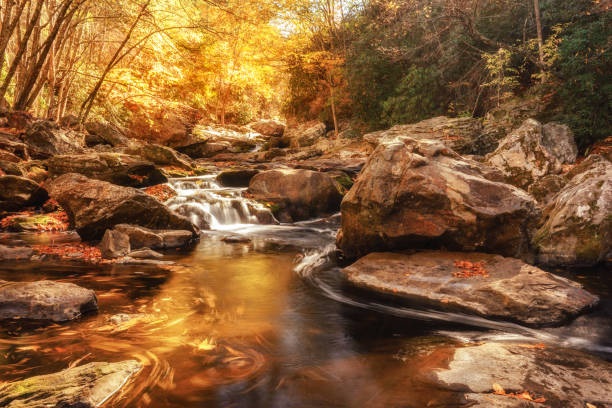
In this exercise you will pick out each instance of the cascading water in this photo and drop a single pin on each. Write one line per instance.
(205, 202)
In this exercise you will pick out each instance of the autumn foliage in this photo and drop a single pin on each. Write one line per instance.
(498, 390)
(73, 251)
(162, 192)
(470, 269)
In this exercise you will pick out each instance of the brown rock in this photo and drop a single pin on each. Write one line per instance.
(114, 244)
(18, 192)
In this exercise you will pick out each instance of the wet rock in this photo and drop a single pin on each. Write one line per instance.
(110, 134)
(120, 169)
(300, 194)
(564, 378)
(160, 155)
(94, 206)
(145, 253)
(176, 239)
(8, 253)
(45, 139)
(486, 285)
(18, 192)
(458, 134)
(114, 244)
(86, 386)
(45, 300)
(415, 194)
(236, 177)
(546, 188)
(140, 237)
(577, 230)
(269, 128)
(526, 154)
(236, 239)
(306, 134)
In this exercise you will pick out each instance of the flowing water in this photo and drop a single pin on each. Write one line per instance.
(263, 323)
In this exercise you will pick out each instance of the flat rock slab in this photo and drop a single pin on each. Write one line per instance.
(86, 386)
(564, 378)
(45, 300)
(487, 285)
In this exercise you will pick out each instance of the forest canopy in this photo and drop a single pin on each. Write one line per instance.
(373, 62)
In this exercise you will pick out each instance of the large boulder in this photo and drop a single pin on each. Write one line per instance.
(141, 237)
(306, 134)
(414, 194)
(272, 128)
(11, 145)
(298, 194)
(556, 377)
(107, 133)
(530, 152)
(160, 155)
(204, 149)
(18, 192)
(86, 386)
(486, 285)
(578, 222)
(94, 206)
(45, 139)
(45, 300)
(459, 134)
(120, 169)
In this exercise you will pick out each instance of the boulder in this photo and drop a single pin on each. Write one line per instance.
(416, 194)
(94, 206)
(176, 238)
(160, 155)
(9, 143)
(86, 386)
(306, 134)
(45, 300)
(481, 284)
(120, 169)
(114, 244)
(45, 139)
(18, 192)
(526, 155)
(271, 128)
(577, 228)
(10, 168)
(458, 134)
(204, 149)
(110, 134)
(8, 253)
(9, 157)
(140, 237)
(236, 177)
(298, 194)
(560, 378)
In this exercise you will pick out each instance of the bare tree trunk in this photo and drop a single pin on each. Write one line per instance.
(536, 5)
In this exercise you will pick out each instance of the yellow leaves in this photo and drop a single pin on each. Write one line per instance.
(207, 344)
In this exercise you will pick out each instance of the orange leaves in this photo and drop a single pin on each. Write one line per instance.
(525, 395)
(136, 177)
(77, 251)
(470, 269)
(162, 192)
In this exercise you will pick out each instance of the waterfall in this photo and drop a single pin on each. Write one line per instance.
(204, 201)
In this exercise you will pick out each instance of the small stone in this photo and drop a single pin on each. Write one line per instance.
(115, 244)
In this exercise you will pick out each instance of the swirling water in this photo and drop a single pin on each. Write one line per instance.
(264, 323)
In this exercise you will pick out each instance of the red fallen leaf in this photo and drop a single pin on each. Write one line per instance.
(525, 395)
(469, 269)
(162, 192)
(137, 177)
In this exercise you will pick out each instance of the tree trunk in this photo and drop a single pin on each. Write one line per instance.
(536, 5)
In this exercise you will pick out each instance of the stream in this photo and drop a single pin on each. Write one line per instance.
(263, 322)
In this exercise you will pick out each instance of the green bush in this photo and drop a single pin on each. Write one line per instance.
(419, 95)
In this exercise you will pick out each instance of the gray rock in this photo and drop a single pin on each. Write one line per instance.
(15, 253)
(564, 378)
(109, 133)
(45, 139)
(306, 134)
(545, 189)
(269, 128)
(45, 300)
(559, 139)
(511, 289)
(115, 244)
(578, 222)
(86, 386)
